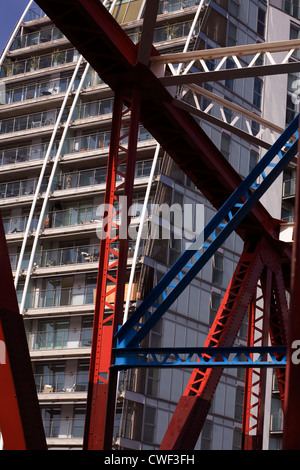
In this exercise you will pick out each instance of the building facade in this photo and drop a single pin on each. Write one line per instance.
(55, 119)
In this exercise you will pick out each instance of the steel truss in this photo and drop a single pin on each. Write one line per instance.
(112, 265)
(109, 51)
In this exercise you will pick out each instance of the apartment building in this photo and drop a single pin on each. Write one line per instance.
(55, 115)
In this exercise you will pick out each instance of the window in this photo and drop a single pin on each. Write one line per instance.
(261, 22)
(253, 159)
(215, 302)
(234, 7)
(206, 436)
(51, 420)
(239, 403)
(292, 7)
(149, 423)
(225, 145)
(217, 273)
(232, 35)
(52, 334)
(257, 92)
(237, 439)
(49, 375)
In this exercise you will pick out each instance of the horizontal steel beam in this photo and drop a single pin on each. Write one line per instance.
(254, 357)
(233, 51)
(227, 74)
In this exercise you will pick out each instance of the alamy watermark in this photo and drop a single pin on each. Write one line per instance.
(161, 221)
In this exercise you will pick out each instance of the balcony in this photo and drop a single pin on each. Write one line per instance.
(34, 13)
(64, 429)
(26, 154)
(32, 121)
(37, 90)
(12, 68)
(36, 38)
(61, 383)
(289, 188)
(16, 189)
(168, 32)
(169, 6)
(62, 338)
(61, 297)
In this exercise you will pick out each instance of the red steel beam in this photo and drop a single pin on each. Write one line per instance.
(112, 272)
(255, 378)
(20, 418)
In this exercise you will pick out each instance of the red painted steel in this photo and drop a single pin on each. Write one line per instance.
(103, 43)
(255, 378)
(20, 417)
(193, 407)
(109, 301)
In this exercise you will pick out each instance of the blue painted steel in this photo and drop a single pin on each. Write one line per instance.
(253, 357)
(227, 219)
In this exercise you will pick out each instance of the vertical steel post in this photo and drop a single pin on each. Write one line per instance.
(109, 303)
(255, 378)
(291, 437)
(20, 418)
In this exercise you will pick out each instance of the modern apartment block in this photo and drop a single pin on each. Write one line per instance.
(55, 118)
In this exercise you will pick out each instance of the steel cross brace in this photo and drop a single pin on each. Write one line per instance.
(239, 356)
(227, 219)
(193, 407)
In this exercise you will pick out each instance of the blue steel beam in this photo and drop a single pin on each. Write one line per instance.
(210, 357)
(227, 219)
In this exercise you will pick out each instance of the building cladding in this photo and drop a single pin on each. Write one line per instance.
(55, 118)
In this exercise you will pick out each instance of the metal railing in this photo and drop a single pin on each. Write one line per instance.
(34, 63)
(26, 154)
(36, 38)
(20, 188)
(64, 428)
(37, 90)
(60, 297)
(31, 121)
(18, 224)
(60, 339)
(61, 382)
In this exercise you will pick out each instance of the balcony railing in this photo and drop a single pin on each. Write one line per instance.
(167, 33)
(63, 256)
(54, 59)
(31, 121)
(60, 339)
(21, 188)
(168, 6)
(37, 90)
(61, 382)
(61, 297)
(37, 37)
(35, 13)
(64, 428)
(18, 224)
(71, 217)
(26, 154)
